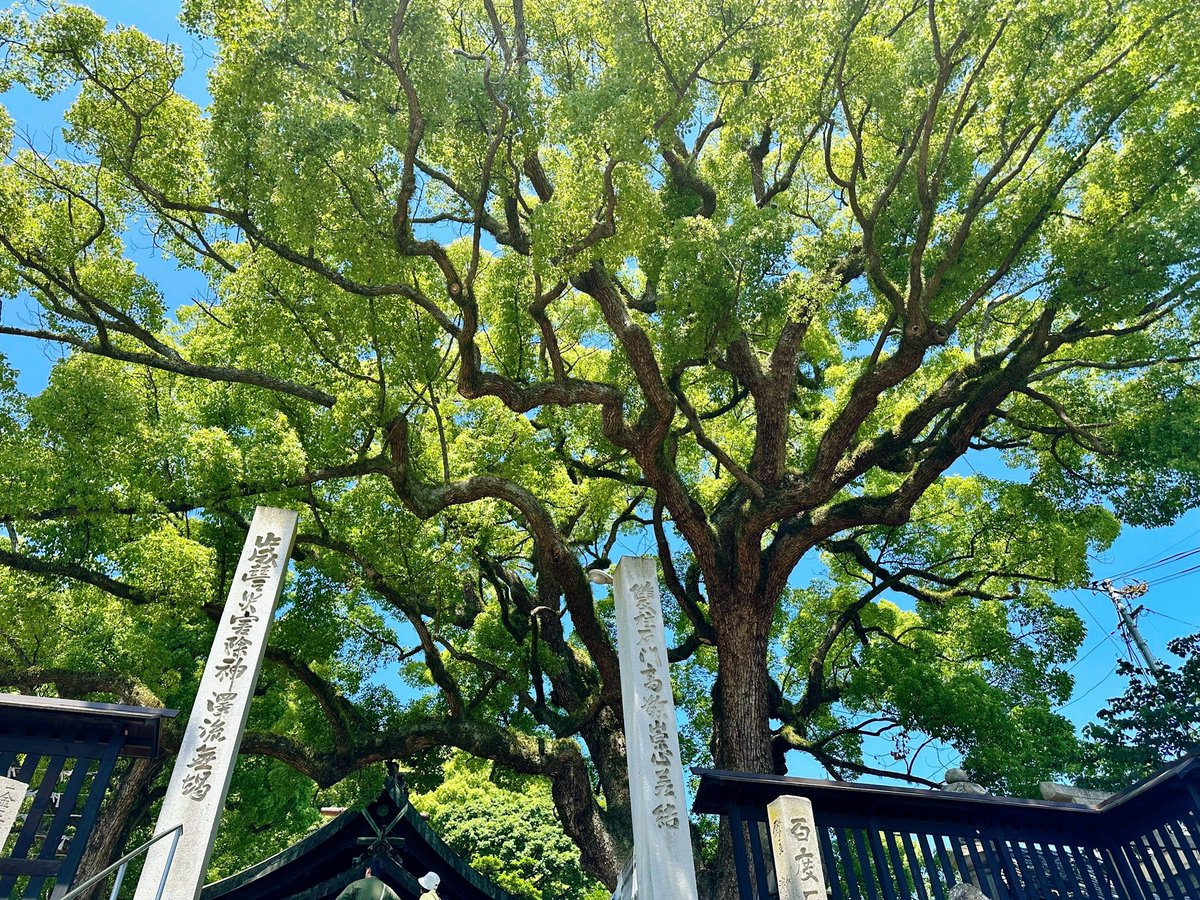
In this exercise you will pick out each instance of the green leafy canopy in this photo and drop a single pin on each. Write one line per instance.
(494, 292)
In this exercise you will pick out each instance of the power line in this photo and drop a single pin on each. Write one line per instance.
(1174, 576)
(1088, 610)
(1128, 617)
(1071, 668)
(1169, 547)
(1109, 675)
(1146, 567)
(1172, 618)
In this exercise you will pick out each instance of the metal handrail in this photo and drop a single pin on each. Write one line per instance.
(124, 861)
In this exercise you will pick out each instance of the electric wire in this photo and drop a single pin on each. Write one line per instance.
(1090, 652)
(1088, 610)
(1169, 547)
(1163, 615)
(1076, 699)
(1163, 561)
(1166, 579)
(1128, 648)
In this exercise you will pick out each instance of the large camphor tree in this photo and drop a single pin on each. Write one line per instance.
(494, 291)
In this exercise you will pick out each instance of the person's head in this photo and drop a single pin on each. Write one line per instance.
(374, 864)
(429, 881)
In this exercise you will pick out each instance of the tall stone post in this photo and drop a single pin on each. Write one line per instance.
(12, 794)
(200, 780)
(796, 850)
(662, 843)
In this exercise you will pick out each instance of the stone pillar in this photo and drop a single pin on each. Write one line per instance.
(12, 794)
(662, 842)
(796, 849)
(200, 780)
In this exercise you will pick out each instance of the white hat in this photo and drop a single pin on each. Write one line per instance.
(429, 881)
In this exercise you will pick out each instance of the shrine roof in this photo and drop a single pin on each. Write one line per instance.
(45, 715)
(319, 865)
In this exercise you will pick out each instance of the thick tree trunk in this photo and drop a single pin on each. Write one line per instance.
(128, 802)
(741, 710)
(605, 740)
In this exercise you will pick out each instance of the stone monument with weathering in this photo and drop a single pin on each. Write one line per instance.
(661, 835)
(796, 850)
(200, 780)
(12, 794)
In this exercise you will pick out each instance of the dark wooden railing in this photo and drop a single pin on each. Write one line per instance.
(67, 752)
(884, 843)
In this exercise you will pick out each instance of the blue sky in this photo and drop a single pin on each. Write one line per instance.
(1171, 608)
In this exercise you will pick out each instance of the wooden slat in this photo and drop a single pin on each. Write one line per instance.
(758, 858)
(882, 869)
(946, 859)
(829, 864)
(62, 817)
(938, 864)
(1134, 886)
(1050, 858)
(1163, 864)
(849, 860)
(41, 746)
(914, 865)
(1004, 857)
(870, 878)
(897, 867)
(1189, 865)
(1032, 874)
(12, 869)
(1085, 862)
(37, 810)
(740, 862)
(1141, 872)
(6, 760)
(980, 867)
(989, 849)
(91, 809)
(25, 773)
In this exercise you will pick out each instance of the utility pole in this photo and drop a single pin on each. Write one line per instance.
(1129, 617)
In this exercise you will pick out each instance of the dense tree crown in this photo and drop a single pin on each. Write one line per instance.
(506, 829)
(1153, 723)
(495, 289)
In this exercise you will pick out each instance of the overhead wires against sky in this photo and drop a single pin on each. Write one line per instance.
(1174, 576)
(1107, 675)
(1096, 619)
(1096, 647)
(1158, 563)
(1163, 615)
(1171, 546)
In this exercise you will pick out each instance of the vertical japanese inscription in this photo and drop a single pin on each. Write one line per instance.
(661, 837)
(795, 849)
(12, 793)
(232, 666)
(199, 782)
(654, 681)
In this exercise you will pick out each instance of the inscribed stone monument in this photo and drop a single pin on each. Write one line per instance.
(12, 793)
(795, 849)
(200, 780)
(661, 839)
